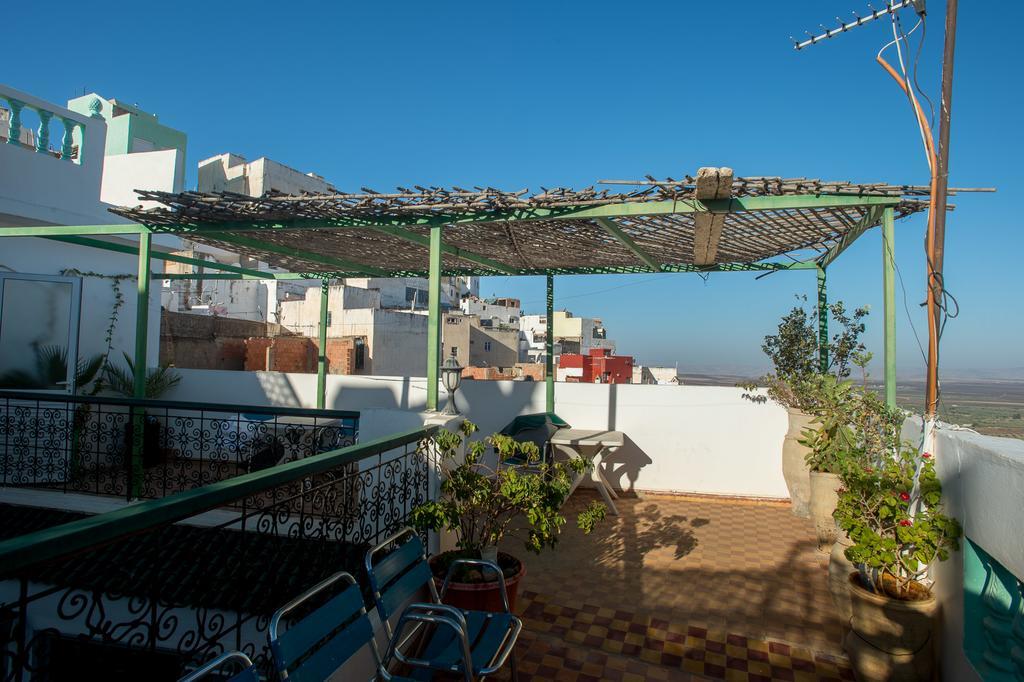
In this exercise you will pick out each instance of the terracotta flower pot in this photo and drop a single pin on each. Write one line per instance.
(794, 466)
(479, 596)
(824, 498)
(839, 569)
(890, 639)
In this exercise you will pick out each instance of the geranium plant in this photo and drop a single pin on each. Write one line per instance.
(892, 511)
(519, 497)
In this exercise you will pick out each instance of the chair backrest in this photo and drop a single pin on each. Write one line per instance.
(400, 575)
(321, 641)
(222, 664)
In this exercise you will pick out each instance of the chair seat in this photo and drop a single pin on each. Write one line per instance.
(487, 633)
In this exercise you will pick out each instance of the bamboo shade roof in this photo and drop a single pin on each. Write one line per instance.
(560, 231)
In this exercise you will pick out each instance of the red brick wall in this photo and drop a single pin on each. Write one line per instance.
(299, 354)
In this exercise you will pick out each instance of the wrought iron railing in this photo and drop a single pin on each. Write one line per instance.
(154, 589)
(88, 444)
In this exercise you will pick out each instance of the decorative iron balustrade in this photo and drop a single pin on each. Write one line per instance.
(88, 445)
(157, 588)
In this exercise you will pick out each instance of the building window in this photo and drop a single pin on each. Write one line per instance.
(328, 318)
(417, 297)
(455, 350)
(487, 346)
(360, 353)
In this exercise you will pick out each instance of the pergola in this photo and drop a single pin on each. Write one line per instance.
(709, 223)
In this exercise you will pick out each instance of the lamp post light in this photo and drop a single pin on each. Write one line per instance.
(451, 377)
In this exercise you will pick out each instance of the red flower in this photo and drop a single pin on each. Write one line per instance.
(905, 497)
(868, 470)
(905, 522)
(927, 455)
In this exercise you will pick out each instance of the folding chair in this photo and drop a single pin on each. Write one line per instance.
(315, 646)
(537, 429)
(473, 644)
(222, 664)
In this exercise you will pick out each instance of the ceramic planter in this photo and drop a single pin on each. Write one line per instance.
(794, 465)
(479, 596)
(824, 498)
(890, 639)
(839, 569)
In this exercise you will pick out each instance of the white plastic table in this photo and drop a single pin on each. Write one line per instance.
(574, 443)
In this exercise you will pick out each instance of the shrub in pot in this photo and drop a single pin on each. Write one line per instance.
(159, 380)
(482, 505)
(891, 510)
(794, 352)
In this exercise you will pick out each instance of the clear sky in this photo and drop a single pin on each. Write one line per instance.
(565, 93)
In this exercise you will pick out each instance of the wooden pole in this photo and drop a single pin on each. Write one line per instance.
(937, 239)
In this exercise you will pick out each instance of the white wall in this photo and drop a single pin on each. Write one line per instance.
(983, 486)
(699, 439)
(124, 173)
(43, 257)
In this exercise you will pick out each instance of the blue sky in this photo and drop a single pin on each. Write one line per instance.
(541, 93)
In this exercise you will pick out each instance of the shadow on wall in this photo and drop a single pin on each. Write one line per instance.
(622, 467)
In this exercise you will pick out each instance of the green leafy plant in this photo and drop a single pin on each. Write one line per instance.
(892, 511)
(121, 380)
(794, 352)
(483, 504)
(50, 370)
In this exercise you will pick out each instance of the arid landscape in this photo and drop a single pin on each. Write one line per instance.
(994, 407)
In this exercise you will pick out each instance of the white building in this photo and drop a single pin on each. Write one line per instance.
(410, 293)
(58, 180)
(232, 173)
(493, 311)
(662, 376)
(572, 334)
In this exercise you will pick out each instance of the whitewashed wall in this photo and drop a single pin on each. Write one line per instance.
(983, 486)
(699, 439)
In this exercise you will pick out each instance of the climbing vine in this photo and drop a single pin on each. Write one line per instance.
(115, 312)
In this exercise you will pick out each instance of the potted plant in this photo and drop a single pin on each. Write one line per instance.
(891, 510)
(482, 505)
(795, 355)
(159, 380)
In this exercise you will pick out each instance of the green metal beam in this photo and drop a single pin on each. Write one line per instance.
(97, 530)
(638, 208)
(434, 319)
(871, 218)
(347, 266)
(889, 296)
(613, 228)
(823, 360)
(424, 240)
(141, 362)
(549, 348)
(69, 230)
(160, 255)
(235, 276)
(321, 358)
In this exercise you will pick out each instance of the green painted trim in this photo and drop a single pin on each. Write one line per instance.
(424, 240)
(262, 277)
(549, 348)
(160, 255)
(871, 218)
(71, 230)
(434, 319)
(321, 358)
(823, 360)
(889, 296)
(613, 228)
(347, 266)
(638, 208)
(30, 549)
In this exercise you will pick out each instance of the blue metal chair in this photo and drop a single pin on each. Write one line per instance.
(473, 644)
(315, 645)
(537, 429)
(222, 664)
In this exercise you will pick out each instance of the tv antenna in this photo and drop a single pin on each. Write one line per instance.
(890, 8)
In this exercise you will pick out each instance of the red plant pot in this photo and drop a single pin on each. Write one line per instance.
(478, 596)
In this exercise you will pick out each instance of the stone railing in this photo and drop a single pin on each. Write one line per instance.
(13, 130)
(993, 616)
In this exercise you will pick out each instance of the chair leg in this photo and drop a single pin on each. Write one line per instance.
(513, 667)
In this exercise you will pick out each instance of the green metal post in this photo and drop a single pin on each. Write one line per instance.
(822, 321)
(321, 358)
(889, 294)
(549, 349)
(140, 363)
(434, 318)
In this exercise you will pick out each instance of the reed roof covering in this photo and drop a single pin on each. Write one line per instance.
(626, 226)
